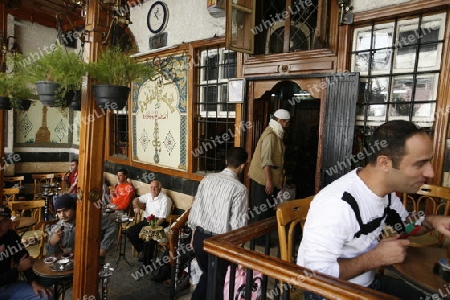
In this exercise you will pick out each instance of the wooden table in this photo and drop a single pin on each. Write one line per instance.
(60, 277)
(418, 270)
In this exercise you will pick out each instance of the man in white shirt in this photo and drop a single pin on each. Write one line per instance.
(156, 203)
(345, 219)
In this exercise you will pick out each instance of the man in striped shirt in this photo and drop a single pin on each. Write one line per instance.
(220, 206)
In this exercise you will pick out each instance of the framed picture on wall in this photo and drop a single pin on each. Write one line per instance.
(236, 90)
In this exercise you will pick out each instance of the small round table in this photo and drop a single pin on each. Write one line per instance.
(45, 270)
(151, 237)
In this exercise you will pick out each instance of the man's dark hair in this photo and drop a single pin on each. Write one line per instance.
(236, 156)
(394, 135)
(75, 161)
(123, 171)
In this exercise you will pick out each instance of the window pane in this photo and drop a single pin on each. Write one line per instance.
(379, 90)
(381, 60)
(405, 58)
(209, 96)
(229, 65)
(383, 35)
(361, 62)
(362, 38)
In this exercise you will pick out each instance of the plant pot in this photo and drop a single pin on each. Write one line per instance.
(48, 92)
(5, 104)
(21, 104)
(111, 96)
(74, 98)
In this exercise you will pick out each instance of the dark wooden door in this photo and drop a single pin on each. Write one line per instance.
(339, 126)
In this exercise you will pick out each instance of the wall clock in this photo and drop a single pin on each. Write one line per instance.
(157, 17)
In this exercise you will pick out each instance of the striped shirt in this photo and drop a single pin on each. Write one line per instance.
(220, 204)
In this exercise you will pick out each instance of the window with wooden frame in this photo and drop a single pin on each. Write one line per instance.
(215, 117)
(120, 142)
(399, 63)
(274, 26)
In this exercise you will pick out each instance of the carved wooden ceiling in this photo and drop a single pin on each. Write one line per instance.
(45, 12)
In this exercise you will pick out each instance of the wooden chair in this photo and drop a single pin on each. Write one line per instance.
(22, 208)
(430, 199)
(289, 214)
(10, 194)
(39, 180)
(59, 180)
(35, 240)
(14, 180)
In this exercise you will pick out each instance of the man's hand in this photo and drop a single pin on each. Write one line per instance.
(440, 223)
(269, 187)
(388, 251)
(57, 236)
(25, 263)
(39, 288)
(391, 250)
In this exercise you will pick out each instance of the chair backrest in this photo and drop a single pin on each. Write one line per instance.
(39, 180)
(10, 194)
(44, 227)
(430, 199)
(19, 208)
(59, 179)
(289, 214)
(14, 180)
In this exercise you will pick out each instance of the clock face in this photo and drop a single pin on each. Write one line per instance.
(157, 17)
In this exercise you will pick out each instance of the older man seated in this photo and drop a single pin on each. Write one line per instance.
(156, 203)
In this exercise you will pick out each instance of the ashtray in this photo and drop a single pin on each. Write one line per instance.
(63, 264)
(50, 259)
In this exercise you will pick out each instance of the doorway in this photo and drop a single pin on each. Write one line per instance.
(301, 137)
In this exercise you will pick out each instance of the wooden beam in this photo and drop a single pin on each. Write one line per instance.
(90, 169)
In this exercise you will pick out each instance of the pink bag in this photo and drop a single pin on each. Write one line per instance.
(239, 284)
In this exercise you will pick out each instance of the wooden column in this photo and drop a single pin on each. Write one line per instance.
(90, 168)
(3, 30)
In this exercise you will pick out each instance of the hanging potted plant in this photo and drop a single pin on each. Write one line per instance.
(113, 71)
(15, 93)
(57, 74)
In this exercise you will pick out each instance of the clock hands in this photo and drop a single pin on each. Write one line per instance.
(157, 13)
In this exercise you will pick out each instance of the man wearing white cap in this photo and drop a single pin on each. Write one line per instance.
(266, 167)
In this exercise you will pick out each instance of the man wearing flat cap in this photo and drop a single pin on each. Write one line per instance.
(14, 259)
(266, 167)
(62, 235)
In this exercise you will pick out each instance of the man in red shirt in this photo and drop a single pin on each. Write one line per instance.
(123, 192)
(71, 178)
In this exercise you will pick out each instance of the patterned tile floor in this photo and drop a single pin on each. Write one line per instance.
(124, 286)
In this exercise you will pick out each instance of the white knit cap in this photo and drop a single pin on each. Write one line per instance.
(282, 114)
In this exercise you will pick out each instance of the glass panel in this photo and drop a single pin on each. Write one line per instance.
(210, 65)
(379, 90)
(241, 30)
(383, 35)
(401, 95)
(408, 32)
(229, 65)
(209, 95)
(361, 62)
(426, 87)
(430, 56)
(405, 58)
(381, 60)
(362, 37)
(378, 110)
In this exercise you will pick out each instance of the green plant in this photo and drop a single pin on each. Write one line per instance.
(115, 67)
(62, 66)
(15, 86)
